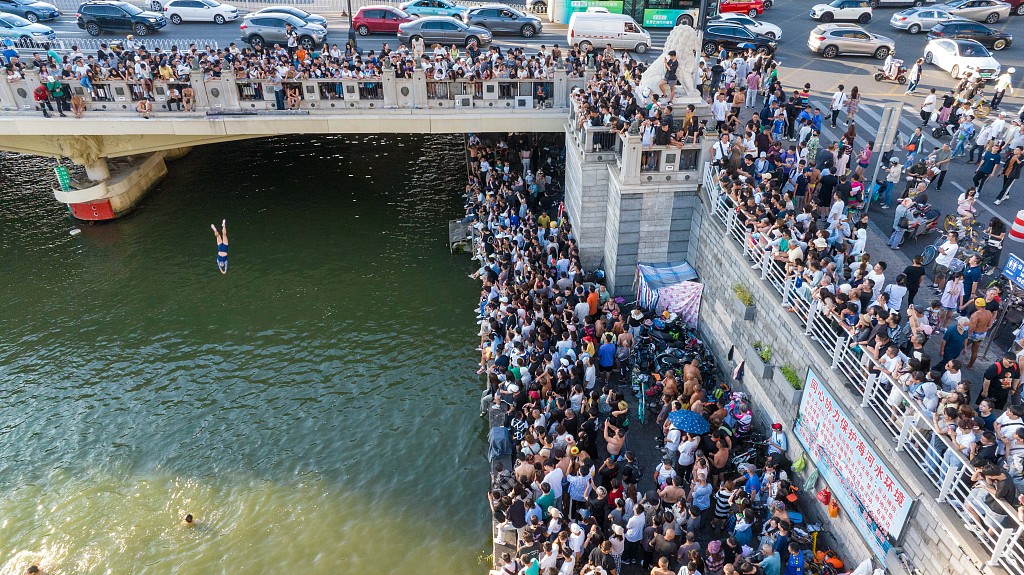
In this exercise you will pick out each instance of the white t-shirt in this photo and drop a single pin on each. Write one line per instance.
(1008, 426)
(896, 295)
(838, 100)
(554, 480)
(687, 450)
(950, 380)
(672, 439)
(879, 280)
(944, 259)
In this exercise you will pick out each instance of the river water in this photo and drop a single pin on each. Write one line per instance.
(314, 408)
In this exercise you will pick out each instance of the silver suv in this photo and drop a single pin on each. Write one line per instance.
(831, 40)
(260, 30)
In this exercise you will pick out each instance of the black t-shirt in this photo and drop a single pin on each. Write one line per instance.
(602, 560)
(664, 548)
(997, 375)
(914, 275)
(670, 70)
(987, 452)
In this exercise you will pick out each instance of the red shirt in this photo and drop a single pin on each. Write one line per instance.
(41, 93)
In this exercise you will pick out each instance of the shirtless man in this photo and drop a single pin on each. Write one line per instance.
(662, 568)
(144, 108)
(691, 371)
(77, 106)
(615, 438)
(188, 98)
(981, 322)
(672, 493)
(670, 388)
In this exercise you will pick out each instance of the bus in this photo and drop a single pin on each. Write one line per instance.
(664, 13)
(649, 13)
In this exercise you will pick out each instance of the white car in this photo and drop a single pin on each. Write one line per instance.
(851, 10)
(755, 26)
(178, 11)
(961, 56)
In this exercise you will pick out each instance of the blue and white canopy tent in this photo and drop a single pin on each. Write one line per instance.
(669, 286)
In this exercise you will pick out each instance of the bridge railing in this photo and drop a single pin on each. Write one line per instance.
(898, 412)
(227, 93)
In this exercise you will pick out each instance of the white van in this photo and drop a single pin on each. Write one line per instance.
(599, 29)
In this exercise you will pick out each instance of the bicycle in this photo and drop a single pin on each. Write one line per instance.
(641, 402)
(968, 232)
(932, 250)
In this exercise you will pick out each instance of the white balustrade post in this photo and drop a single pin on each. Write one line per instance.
(7, 99)
(949, 479)
(812, 314)
(870, 385)
(766, 258)
(909, 420)
(560, 93)
(1006, 536)
(837, 351)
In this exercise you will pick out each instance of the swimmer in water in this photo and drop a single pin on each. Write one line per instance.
(189, 521)
(222, 245)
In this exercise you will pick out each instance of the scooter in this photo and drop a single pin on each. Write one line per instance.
(945, 130)
(926, 219)
(898, 73)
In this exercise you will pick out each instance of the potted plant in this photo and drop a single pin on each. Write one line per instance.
(744, 301)
(788, 380)
(761, 363)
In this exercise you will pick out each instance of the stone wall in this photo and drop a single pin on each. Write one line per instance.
(934, 538)
(586, 198)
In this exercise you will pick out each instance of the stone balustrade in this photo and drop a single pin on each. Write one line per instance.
(228, 94)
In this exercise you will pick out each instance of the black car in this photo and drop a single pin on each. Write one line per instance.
(989, 37)
(735, 37)
(94, 17)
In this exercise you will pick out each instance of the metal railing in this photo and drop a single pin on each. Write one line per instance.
(89, 45)
(897, 409)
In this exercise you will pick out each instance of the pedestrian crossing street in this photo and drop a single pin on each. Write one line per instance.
(868, 121)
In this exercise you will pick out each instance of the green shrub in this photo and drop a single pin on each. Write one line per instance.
(743, 294)
(789, 372)
(764, 351)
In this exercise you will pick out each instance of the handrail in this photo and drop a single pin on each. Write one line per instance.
(901, 414)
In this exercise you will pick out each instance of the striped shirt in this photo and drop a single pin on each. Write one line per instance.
(722, 502)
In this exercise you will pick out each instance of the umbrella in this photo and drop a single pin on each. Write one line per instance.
(689, 422)
(745, 45)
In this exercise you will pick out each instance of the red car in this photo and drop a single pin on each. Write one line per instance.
(749, 7)
(379, 20)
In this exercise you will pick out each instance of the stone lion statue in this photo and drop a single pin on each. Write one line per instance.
(683, 39)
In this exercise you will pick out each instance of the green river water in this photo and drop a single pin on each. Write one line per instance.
(315, 408)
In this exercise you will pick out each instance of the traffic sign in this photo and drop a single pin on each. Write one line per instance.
(1014, 269)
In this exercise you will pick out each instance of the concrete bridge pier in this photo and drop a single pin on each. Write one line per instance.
(98, 170)
(632, 204)
(114, 186)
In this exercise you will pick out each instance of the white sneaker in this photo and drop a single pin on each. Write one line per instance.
(997, 202)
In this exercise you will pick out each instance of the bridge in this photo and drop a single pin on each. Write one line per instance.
(229, 108)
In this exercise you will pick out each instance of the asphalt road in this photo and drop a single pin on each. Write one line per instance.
(798, 65)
